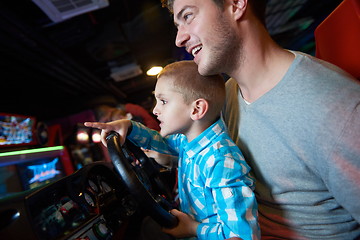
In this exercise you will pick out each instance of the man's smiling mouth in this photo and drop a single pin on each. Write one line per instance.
(196, 50)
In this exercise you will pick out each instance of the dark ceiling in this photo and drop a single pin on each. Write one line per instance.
(50, 70)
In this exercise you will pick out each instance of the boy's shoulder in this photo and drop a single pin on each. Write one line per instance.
(223, 145)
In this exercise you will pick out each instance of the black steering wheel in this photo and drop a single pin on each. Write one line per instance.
(140, 175)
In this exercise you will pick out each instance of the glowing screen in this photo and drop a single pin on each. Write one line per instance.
(40, 172)
(16, 130)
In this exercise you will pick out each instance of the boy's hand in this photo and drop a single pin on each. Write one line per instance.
(165, 160)
(186, 228)
(119, 126)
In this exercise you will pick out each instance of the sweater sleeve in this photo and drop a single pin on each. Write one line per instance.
(343, 173)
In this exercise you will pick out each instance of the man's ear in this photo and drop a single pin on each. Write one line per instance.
(238, 8)
(200, 108)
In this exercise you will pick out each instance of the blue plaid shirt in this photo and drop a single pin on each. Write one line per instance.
(215, 186)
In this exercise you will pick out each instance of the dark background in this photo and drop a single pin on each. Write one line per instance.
(49, 70)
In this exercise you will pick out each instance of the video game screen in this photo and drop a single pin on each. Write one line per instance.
(16, 130)
(41, 171)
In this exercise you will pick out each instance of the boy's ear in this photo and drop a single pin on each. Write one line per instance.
(200, 108)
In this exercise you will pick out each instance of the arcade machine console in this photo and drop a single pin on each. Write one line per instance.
(29, 157)
(90, 204)
(40, 195)
(102, 200)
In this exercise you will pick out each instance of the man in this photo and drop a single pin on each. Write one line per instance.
(296, 119)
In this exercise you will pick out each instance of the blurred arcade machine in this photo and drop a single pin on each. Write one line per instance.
(32, 154)
(83, 143)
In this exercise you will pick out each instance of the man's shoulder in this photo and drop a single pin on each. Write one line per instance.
(320, 78)
(318, 67)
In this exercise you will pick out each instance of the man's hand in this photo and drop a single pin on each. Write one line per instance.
(186, 228)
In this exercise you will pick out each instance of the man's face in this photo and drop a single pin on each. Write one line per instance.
(207, 32)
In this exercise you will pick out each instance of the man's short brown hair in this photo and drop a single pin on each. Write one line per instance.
(258, 7)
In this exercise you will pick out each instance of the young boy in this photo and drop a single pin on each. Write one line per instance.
(215, 186)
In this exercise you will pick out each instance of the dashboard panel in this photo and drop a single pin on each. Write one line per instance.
(92, 203)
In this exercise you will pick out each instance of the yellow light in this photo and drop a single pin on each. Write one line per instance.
(82, 136)
(153, 71)
(96, 136)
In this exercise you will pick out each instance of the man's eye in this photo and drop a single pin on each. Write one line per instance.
(163, 102)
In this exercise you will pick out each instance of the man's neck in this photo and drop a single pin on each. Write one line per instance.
(263, 67)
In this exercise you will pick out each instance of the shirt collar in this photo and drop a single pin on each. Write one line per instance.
(205, 138)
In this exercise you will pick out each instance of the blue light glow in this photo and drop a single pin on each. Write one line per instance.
(44, 171)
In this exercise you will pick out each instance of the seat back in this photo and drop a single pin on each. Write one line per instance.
(337, 38)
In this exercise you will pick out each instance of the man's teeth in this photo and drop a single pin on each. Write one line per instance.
(196, 50)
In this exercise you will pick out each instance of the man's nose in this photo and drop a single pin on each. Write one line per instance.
(182, 37)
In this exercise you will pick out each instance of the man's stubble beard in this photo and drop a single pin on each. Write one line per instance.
(225, 53)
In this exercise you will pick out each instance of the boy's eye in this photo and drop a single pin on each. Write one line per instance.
(163, 101)
(187, 16)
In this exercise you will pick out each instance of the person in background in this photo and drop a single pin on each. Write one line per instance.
(215, 187)
(107, 109)
(296, 118)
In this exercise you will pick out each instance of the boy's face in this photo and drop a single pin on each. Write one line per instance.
(171, 109)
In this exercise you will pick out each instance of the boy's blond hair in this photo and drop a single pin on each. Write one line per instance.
(187, 81)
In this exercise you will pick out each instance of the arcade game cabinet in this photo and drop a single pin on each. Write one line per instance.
(82, 143)
(42, 198)
(29, 156)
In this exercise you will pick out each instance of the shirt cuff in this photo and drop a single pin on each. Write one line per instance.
(201, 230)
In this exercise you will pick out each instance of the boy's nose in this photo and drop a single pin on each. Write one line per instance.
(155, 111)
